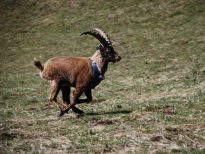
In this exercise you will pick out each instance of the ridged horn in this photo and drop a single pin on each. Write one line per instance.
(101, 36)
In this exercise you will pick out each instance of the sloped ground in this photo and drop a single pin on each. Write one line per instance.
(153, 101)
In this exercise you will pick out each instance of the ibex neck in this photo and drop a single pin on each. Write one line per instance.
(101, 63)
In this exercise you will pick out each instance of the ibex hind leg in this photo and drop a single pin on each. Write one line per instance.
(55, 88)
(66, 99)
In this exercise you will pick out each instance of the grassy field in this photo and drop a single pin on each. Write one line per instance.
(152, 101)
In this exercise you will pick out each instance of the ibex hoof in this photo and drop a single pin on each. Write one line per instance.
(61, 113)
(78, 111)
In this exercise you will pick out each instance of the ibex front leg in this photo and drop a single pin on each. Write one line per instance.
(66, 99)
(76, 94)
(88, 94)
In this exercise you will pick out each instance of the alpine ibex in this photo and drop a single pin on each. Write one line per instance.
(83, 73)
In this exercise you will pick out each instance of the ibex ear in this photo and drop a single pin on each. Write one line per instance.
(99, 47)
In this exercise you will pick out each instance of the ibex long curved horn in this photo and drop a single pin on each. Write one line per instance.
(101, 36)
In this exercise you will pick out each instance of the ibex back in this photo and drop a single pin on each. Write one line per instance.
(83, 73)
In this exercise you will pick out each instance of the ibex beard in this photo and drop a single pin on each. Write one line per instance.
(82, 73)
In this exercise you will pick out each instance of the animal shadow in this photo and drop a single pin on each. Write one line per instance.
(108, 113)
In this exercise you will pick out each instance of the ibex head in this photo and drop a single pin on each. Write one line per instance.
(106, 48)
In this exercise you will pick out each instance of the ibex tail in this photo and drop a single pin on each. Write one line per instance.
(38, 65)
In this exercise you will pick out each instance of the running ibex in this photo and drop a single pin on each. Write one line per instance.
(83, 73)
